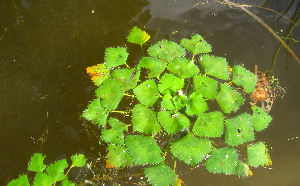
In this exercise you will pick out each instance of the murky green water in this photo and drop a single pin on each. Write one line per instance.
(45, 47)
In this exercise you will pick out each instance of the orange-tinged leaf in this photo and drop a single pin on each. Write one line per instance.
(98, 73)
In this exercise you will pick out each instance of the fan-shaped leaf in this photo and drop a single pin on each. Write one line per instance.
(215, 66)
(239, 130)
(115, 56)
(137, 36)
(167, 50)
(22, 180)
(242, 169)
(36, 163)
(43, 179)
(183, 67)
(257, 154)
(222, 160)
(56, 170)
(118, 156)
(143, 150)
(244, 77)
(144, 120)
(260, 118)
(170, 82)
(190, 149)
(196, 104)
(229, 99)
(173, 122)
(160, 174)
(127, 78)
(205, 86)
(78, 160)
(147, 92)
(196, 45)
(98, 73)
(114, 135)
(154, 65)
(96, 112)
(209, 124)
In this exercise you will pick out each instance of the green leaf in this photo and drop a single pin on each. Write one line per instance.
(143, 150)
(257, 154)
(98, 73)
(179, 101)
(144, 120)
(96, 112)
(243, 77)
(172, 122)
(229, 99)
(242, 169)
(239, 130)
(196, 104)
(110, 93)
(78, 160)
(209, 125)
(137, 36)
(183, 67)
(222, 160)
(167, 102)
(170, 82)
(205, 86)
(260, 118)
(196, 45)
(115, 56)
(127, 78)
(190, 149)
(118, 157)
(167, 50)
(160, 175)
(114, 135)
(21, 181)
(36, 163)
(215, 66)
(43, 179)
(56, 170)
(67, 183)
(154, 65)
(147, 92)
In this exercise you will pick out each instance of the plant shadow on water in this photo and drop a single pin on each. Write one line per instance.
(230, 38)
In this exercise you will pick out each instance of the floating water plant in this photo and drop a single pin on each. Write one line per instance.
(170, 110)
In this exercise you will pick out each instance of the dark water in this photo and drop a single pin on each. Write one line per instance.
(45, 47)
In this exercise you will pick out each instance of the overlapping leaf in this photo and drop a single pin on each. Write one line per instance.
(215, 66)
(118, 156)
(170, 82)
(166, 50)
(137, 36)
(115, 134)
(179, 101)
(257, 155)
(36, 163)
(242, 169)
(167, 102)
(205, 86)
(127, 78)
(43, 179)
(98, 73)
(190, 149)
(115, 56)
(160, 174)
(154, 65)
(243, 77)
(147, 92)
(183, 67)
(56, 170)
(196, 45)
(78, 160)
(260, 118)
(172, 122)
(96, 112)
(143, 150)
(196, 104)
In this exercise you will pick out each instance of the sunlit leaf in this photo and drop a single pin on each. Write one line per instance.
(215, 66)
(190, 149)
(127, 78)
(196, 45)
(209, 124)
(143, 150)
(118, 156)
(115, 134)
(239, 130)
(22, 181)
(183, 67)
(115, 56)
(96, 112)
(43, 179)
(67, 183)
(167, 102)
(229, 99)
(98, 73)
(110, 93)
(137, 36)
(170, 82)
(56, 170)
(36, 163)
(144, 120)
(260, 118)
(78, 160)
(154, 65)
(147, 92)
(222, 160)
(196, 104)
(242, 169)
(257, 155)
(244, 77)
(179, 101)
(160, 174)
(172, 122)
(205, 86)
(167, 50)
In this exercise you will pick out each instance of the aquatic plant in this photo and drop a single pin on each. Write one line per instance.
(172, 111)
